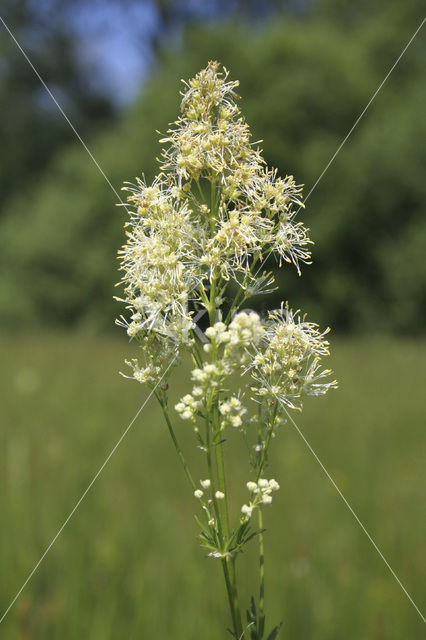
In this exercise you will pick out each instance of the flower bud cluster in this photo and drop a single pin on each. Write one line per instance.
(188, 407)
(198, 493)
(206, 484)
(232, 412)
(206, 380)
(261, 493)
(218, 334)
(209, 376)
(245, 330)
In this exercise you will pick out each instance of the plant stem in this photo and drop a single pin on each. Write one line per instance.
(230, 574)
(221, 476)
(163, 403)
(268, 440)
(231, 597)
(228, 562)
(212, 480)
(233, 578)
(261, 628)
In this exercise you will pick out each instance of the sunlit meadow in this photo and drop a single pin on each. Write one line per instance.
(128, 564)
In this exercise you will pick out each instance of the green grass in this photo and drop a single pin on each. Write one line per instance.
(128, 566)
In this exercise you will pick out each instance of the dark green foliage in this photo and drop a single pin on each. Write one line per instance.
(239, 538)
(304, 82)
(31, 127)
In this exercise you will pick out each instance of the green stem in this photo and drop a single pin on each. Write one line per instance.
(229, 566)
(268, 440)
(233, 578)
(212, 481)
(213, 208)
(163, 403)
(261, 628)
(212, 303)
(200, 191)
(196, 354)
(221, 477)
(228, 563)
(231, 597)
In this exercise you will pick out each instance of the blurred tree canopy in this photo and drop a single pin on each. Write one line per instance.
(31, 127)
(305, 78)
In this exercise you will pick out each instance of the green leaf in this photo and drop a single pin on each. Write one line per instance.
(274, 632)
(252, 620)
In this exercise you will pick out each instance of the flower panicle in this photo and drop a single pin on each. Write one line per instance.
(209, 220)
(178, 240)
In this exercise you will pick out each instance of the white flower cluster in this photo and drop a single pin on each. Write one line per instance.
(282, 355)
(157, 355)
(176, 242)
(261, 217)
(188, 407)
(218, 334)
(287, 365)
(208, 377)
(144, 375)
(254, 206)
(158, 261)
(245, 330)
(232, 412)
(261, 493)
(210, 136)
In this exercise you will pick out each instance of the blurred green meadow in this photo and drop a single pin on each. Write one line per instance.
(128, 564)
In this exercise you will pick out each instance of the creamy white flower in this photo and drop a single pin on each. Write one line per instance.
(286, 365)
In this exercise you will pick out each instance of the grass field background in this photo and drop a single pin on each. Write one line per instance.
(128, 565)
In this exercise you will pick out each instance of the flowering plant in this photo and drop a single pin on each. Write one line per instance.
(197, 240)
